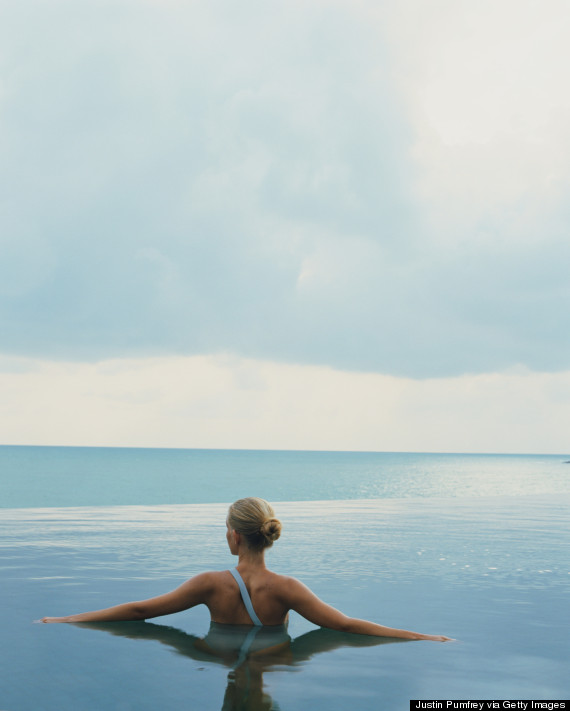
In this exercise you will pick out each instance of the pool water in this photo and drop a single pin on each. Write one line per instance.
(490, 571)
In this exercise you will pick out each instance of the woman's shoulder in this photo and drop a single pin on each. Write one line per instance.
(282, 579)
(286, 585)
(210, 578)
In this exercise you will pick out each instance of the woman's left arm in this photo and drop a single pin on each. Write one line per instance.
(298, 597)
(193, 592)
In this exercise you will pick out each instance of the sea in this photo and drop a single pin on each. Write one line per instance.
(474, 547)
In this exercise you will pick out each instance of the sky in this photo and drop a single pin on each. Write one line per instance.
(297, 225)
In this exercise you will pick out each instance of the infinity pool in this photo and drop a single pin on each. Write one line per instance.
(491, 572)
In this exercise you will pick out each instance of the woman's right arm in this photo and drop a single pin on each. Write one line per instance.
(191, 593)
(312, 608)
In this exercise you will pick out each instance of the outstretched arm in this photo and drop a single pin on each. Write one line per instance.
(191, 593)
(307, 604)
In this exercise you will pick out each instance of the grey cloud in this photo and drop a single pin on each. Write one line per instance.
(181, 179)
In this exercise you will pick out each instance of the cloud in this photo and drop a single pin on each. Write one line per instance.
(365, 187)
(229, 402)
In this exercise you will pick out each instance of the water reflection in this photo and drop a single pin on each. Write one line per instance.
(247, 651)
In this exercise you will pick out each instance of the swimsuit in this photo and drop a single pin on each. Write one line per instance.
(277, 635)
(246, 598)
(239, 642)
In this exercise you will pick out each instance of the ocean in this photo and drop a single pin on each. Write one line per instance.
(36, 477)
(471, 546)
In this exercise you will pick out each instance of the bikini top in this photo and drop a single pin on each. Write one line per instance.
(246, 598)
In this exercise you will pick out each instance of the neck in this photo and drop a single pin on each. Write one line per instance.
(253, 559)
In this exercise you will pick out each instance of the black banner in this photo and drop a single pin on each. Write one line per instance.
(489, 704)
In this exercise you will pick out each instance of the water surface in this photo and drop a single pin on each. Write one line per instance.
(84, 476)
(490, 571)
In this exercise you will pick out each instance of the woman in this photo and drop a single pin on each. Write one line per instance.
(249, 593)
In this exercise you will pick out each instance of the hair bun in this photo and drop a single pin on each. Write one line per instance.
(271, 529)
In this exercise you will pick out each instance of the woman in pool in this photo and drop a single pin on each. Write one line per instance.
(249, 593)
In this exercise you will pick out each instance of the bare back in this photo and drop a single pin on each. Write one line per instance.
(266, 589)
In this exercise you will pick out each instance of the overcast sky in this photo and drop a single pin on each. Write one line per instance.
(366, 200)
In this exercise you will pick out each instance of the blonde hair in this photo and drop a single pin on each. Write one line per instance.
(255, 519)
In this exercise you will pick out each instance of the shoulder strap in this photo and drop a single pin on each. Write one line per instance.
(246, 646)
(245, 597)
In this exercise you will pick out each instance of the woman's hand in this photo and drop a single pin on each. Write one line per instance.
(437, 638)
(54, 619)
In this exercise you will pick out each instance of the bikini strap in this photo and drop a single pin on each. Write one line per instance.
(246, 646)
(245, 597)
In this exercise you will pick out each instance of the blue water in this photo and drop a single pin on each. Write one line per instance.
(84, 476)
(475, 547)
